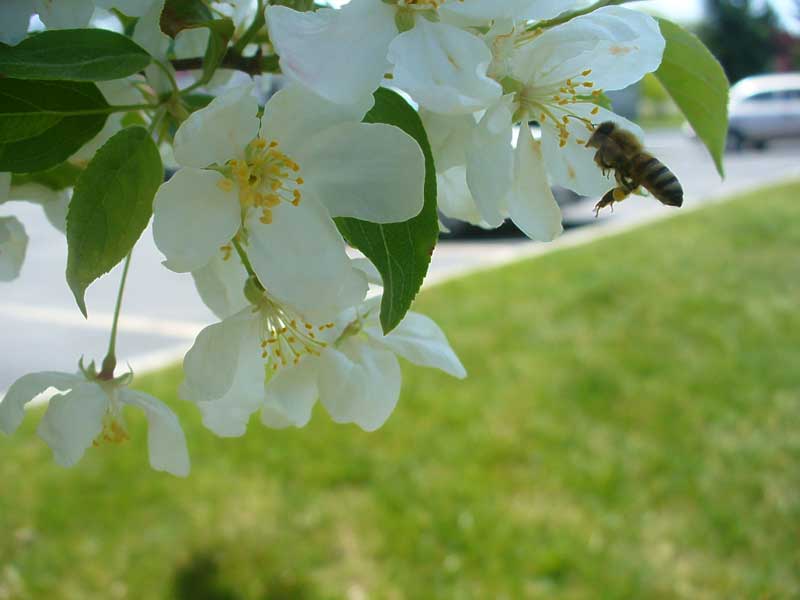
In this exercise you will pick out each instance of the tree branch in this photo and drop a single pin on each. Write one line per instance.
(252, 65)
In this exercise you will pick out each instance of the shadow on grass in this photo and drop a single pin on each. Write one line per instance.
(200, 578)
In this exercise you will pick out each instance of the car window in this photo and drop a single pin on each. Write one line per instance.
(762, 97)
(791, 95)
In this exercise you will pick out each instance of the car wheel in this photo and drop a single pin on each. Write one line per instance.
(735, 141)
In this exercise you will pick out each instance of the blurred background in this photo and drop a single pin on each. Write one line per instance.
(630, 427)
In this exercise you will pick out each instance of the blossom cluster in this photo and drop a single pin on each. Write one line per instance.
(251, 208)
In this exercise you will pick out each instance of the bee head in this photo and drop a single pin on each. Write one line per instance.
(603, 131)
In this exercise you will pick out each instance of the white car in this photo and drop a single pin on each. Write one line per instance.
(764, 108)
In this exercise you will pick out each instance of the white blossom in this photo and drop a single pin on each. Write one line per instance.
(88, 412)
(274, 184)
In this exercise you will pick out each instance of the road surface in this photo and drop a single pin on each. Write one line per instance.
(41, 328)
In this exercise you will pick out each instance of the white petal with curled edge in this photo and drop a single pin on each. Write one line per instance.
(211, 364)
(147, 33)
(370, 171)
(421, 341)
(73, 421)
(54, 203)
(454, 198)
(25, 389)
(572, 165)
(220, 131)
(547, 9)
(448, 136)
(291, 395)
(618, 45)
(56, 209)
(301, 260)
(531, 204)
(229, 415)
(65, 14)
(192, 217)
(340, 54)
(166, 442)
(14, 18)
(295, 114)
(490, 162)
(370, 270)
(359, 384)
(221, 284)
(444, 68)
(13, 245)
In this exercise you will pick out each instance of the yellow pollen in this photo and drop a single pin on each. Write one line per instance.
(226, 185)
(586, 73)
(595, 110)
(588, 84)
(265, 178)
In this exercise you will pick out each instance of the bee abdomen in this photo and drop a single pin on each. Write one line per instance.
(659, 180)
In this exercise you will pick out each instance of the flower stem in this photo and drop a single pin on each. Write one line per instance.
(575, 13)
(110, 361)
(246, 261)
(253, 30)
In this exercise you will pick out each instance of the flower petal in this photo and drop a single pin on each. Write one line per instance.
(229, 415)
(166, 442)
(220, 131)
(454, 198)
(419, 340)
(193, 217)
(14, 18)
(444, 68)
(531, 204)
(25, 389)
(295, 114)
(73, 421)
(65, 14)
(340, 54)
(374, 172)
(301, 260)
(449, 137)
(147, 32)
(13, 245)
(291, 395)
(221, 284)
(572, 165)
(359, 384)
(490, 162)
(211, 363)
(618, 45)
(131, 8)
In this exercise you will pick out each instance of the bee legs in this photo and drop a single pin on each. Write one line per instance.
(612, 196)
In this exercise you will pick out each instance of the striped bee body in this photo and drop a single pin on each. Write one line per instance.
(620, 151)
(656, 178)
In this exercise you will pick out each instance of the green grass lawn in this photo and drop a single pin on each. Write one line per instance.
(630, 429)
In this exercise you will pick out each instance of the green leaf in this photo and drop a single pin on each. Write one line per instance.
(401, 251)
(184, 14)
(191, 14)
(111, 206)
(73, 55)
(58, 178)
(221, 33)
(697, 83)
(42, 123)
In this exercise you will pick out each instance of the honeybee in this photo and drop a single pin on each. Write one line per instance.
(620, 151)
